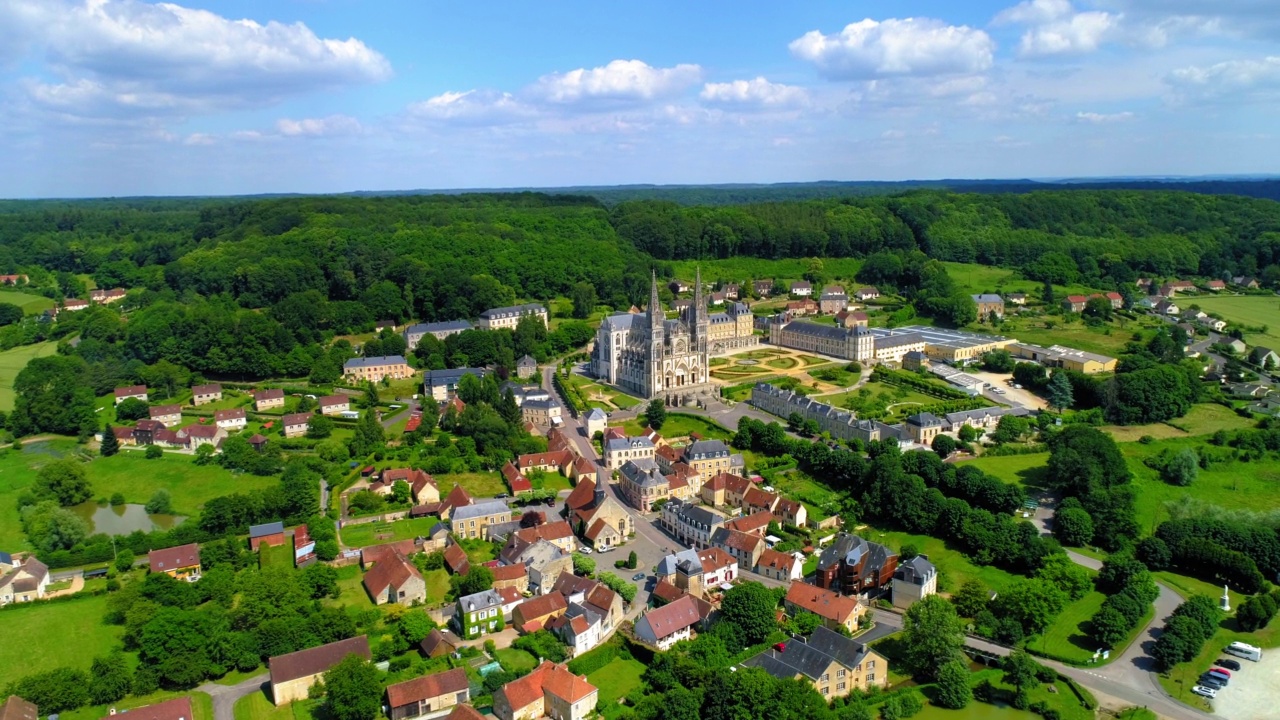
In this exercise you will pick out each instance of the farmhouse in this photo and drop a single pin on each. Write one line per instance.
(269, 399)
(394, 579)
(442, 385)
(24, 579)
(429, 695)
(136, 392)
(296, 424)
(292, 675)
(550, 691)
(334, 404)
(801, 288)
(230, 420)
(665, 626)
(178, 708)
(181, 562)
(867, 293)
(205, 394)
(472, 521)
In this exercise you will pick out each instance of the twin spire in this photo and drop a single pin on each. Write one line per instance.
(656, 315)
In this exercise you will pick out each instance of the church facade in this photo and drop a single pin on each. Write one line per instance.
(654, 357)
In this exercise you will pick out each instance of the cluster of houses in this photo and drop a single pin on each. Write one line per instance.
(491, 319)
(649, 470)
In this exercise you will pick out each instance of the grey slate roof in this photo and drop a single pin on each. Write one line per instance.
(502, 312)
(810, 658)
(432, 327)
(266, 529)
(924, 419)
(987, 298)
(480, 509)
(526, 361)
(915, 571)
(480, 601)
(694, 514)
(619, 322)
(888, 341)
(596, 415)
(686, 561)
(831, 332)
(851, 549)
(376, 360)
(643, 472)
(639, 442)
(436, 378)
(703, 449)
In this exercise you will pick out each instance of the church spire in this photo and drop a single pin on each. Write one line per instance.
(655, 305)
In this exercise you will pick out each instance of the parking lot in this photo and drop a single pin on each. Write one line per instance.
(1012, 395)
(1254, 692)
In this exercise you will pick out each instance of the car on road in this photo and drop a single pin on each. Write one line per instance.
(1203, 691)
(584, 550)
(638, 576)
(1227, 663)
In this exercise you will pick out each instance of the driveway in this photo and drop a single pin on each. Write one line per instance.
(225, 696)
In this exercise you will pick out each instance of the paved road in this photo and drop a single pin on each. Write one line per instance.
(225, 696)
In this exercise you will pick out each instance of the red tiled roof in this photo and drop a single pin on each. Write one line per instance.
(743, 542)
(583, 466)
(714, 558)
(550, 532)
(394, 571)
(374, 553)
(755, 497)
(456, 498)
(456, 558)
(210, 389)
(666, 592)
(755, 523)
(427, 688)
(131, 390)
(583, 494)
(294, 419)
(329, 400)
(464, 712)
(15, 708)
(174, 558)
(672, 618)
(778, 561)
(162, 410)
(509, 572)
(516, 481)
(234, 414)
(822, 602)
(537, 607)
(316, 660)
(176, 709)
(558, 458)
(268, 394)
(596, 528)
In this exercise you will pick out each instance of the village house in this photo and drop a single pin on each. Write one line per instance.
(516, 481)
(619, 450)
(596, 516)
(833, 664)
(292, 675)
(509, 317)
(457, 498)
(801, 308)
(533, 614)
(836, 610)
(543, 413)
(544, 562)
(231, 420)
(756, 523)
(716, 298)
(124, 435)
(549, 691)
(679, 286)
(136, 392)
(594, 596)
(691, 524)
(509, 576)
(304, 547)
(756, 500)
(74, 304)
(852, 565)
(334, 404)
(744, 547)
(709, 457)
(1215, 286)
(557, 533)
(1075, 303)
(989, 304)
(724, 489)
(762, 288)
(394, 579)
(832, 300)
(472, 521)
(439, 330)
(13, 280)
(296, 424)
(791, 512)
(1018, 298)
(923, 427)
(849, 319)
(697, 571)
(428, 695)
(181, 562)
(22, 578)
(269, 399)
(801, 288)
(193, 436)
(15, 708)
(442, 385)
(205, 394)
(376, 369)
(1245, 281)
(436, 644)
(178, 708)
(913, 581)
(479, 613)
(271, 533)
(526, 367)
(1265, 358)
(595, 421)
(665, 626)
(731, 290)
(106, 297)
(643, 484)
(779, 566)
(866, 293)
(167, 415)
(421, 485)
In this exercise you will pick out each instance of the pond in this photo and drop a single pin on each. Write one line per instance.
(123, 519)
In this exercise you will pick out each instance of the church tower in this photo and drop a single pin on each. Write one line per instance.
(656, 320)
(701, 325)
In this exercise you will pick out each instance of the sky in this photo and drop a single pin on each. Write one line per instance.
(127, 97)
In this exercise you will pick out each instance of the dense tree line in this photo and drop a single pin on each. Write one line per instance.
(1130, 590)
(1087, 468)
(1242, 554)
(1190, 626)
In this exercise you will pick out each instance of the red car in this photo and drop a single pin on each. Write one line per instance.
(780, 646)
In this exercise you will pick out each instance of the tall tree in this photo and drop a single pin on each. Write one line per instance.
(750, 607)
(110, 443)
(65, 481)
(655, 413)
(353, 690)
(1058, 392)
(584, 300)
(933, 637)
(953, 685)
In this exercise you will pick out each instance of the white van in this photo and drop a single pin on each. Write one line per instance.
(1248, 652)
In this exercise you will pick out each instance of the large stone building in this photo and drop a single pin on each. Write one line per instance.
(509, 317)
(833, 664)
(913, 581)
(732, 329)
(854, 343)
(654, 357)
(292, 675)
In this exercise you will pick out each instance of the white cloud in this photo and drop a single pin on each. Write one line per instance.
(758, 92)
(620, 80)
(1056, 28)
(910, 46)
(198, 139)
(471, 107)
(319, 127)
(1230, 77)
(165, 57)
(1094, 118)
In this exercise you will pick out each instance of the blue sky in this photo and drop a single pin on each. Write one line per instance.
(125, 97)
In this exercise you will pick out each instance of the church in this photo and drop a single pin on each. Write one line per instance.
(654, 357)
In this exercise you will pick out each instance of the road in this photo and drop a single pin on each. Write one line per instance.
(225, 696)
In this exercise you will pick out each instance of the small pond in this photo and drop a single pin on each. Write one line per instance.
(123, 519)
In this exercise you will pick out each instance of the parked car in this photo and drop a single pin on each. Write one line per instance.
(584, 550)
(1212, 681)
(1227, 663)
(638, 576)
(780, 646)
(1221, 671)
(1205, 691)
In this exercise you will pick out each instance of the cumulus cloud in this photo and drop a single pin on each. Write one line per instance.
(620, 80)
(1230, 77)
(910, 46)
(471, 107)
(758, 92)
(1094, 118)
(1057, 28)
(165, 56)
(318, 127)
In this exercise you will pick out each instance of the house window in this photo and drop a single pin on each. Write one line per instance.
(826, 690)
(871, 664)
(826, 677)
(840, 673)
(871, 677)
(839, 687)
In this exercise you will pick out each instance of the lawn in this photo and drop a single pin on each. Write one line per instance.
(1025, 470)
(782, 363)
(679, 425)
(1066, 638)
(11, 363)
(437, 585)
(30, 303)
(815, 496)
(1252, 310)
(617, 679)
(1203, 419)
(551, 481)
(835, 376)
(190, 485)
(275, 556)
(1107, 339)
(478, 551)
(517, 661)
(201, 705)
(68, 633)
(1235, 486)
(877, 400)
(478, 485)
(351, 592)
(365, 534)
(256, 706)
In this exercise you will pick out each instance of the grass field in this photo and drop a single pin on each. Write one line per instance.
(1025, 470)
(275, 556)
(1067, 636)
(678, 425)
(479, 485)
(813, 495)
(1235, 486)
(514, 660)
(953, 567)
(365, 534)
(617, 679)
(201, 705)
(1106, 339)
(12, 362)
(782, 363)
(256, 706)
(1252, 310)
(351, 592)
(1203, 419)
(30, 303)
(69, 633)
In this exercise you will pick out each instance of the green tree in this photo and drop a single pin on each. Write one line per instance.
(1020, 672)
(124, 560)
(944, 445)
(109, 679)
(52, 396)
(583, 565)
(902, 706)
(320, 427)
(53, 691)
(132, 409)
(655, 413)
(750, 607)
(1059, 393)
(632, 560)
(110, 443)
(1058, 570)
(1032, 603)
(160, 503)
(64, 481)
(1108, 627)
(369, 435)
(971, 598)
(933, 637)
(153, 452)
(953, 685)
(478, 579)
(584, 300)
(353, 690)
(1073, 527)
(1182, 468)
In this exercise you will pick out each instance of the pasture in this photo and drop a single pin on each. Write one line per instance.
(12, 362)
(1251, 310)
